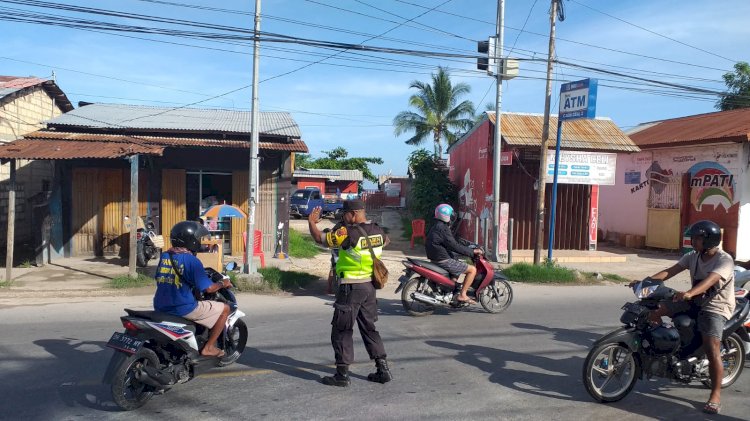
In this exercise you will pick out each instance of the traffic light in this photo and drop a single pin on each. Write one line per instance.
(489, 63)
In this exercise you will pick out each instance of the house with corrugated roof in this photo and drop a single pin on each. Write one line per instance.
(334, 184)
(471, 167)
(25, 102)
(689, 168)
(187, 160)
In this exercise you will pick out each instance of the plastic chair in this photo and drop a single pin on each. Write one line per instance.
(257, 247)
(417, 230)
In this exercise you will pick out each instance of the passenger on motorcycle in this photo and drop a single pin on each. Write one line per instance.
(441, 246)
(180, 277)
(710, 299)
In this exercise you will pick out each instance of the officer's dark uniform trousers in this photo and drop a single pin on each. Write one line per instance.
(355, 302)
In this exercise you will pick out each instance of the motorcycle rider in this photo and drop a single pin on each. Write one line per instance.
(440, 246)
(711, 297)
(355, 298)
(180, 275)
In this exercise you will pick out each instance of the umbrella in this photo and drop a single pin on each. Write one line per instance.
(223, 211)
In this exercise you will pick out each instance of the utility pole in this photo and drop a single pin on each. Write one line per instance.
(497, 154)
(542, 180)
(252, 188)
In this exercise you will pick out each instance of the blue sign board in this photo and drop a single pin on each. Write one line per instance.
(578, 99)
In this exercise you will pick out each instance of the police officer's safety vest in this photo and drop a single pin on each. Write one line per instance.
(355, 260)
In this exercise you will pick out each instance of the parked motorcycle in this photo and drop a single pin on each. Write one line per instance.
(159, 350)
(148, 243)
(638, 349)
(424, 286)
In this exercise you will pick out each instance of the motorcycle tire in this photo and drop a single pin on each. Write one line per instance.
(127, 392)
(140, 256)
(497, 297)
(733, 359)
(238, 339)
(413, 307)
(606, 362)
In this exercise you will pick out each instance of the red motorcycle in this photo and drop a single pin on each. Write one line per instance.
(424, 286)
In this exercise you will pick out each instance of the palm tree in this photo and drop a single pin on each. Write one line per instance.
(436, 112)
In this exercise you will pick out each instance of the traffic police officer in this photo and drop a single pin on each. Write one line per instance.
(355, 298)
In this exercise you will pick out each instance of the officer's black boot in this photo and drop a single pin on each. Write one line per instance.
(383, 374)
(340, 379)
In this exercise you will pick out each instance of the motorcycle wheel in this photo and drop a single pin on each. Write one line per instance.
(733, 359)
(140, 256)
(127, 391)
(497, 297)
(412, 306)
(609, 372)
(237, 341)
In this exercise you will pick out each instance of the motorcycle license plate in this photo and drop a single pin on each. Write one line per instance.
(125, 343)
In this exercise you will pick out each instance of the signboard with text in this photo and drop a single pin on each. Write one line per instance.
(578, 99)
(583, 167)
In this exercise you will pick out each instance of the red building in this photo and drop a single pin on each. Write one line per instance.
(340, 184)
(471, 170)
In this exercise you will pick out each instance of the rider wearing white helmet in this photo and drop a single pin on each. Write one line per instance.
(441, 246)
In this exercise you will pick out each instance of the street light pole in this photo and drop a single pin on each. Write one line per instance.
(542, 180)
(252, 188)
(498, 141)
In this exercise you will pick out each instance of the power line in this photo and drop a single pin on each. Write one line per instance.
(652, 32)
(522, 28)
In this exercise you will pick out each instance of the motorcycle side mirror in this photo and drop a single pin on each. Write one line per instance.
(230, 266)
(150, 225)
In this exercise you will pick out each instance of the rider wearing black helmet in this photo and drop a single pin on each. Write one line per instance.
(711, 297)
(180, 274)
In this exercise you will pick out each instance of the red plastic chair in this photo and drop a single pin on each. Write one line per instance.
(417, 230)
(257, 247)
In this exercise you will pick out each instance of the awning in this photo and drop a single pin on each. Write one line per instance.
(58, 149)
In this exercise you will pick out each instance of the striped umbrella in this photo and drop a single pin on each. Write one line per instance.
(223, 211)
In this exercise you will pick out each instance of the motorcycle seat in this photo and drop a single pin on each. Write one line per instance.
(156, 316)
(429, 265)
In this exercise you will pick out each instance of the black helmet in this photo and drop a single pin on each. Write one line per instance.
(188, 234)
(709, 231)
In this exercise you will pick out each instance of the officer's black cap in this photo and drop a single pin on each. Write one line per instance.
(353, 205)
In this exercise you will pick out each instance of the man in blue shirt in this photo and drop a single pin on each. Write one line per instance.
(180, 275)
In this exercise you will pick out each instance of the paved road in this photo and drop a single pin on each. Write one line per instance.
(523, 364)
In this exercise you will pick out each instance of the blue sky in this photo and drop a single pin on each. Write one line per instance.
(344, 101)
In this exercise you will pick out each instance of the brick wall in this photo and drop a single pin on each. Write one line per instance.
(23, 114)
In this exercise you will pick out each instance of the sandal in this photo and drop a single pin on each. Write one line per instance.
(219, 354)
(468, 301)
(711, 408)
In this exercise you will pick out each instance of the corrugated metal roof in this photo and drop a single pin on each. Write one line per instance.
(600, 134)
(348, 175)
(295, 145)
(722, 126)
(12, 84)
(139, 117)
(66, 149)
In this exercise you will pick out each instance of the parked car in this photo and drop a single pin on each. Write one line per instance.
(303, 202)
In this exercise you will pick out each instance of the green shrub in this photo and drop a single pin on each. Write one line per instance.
(302, 246)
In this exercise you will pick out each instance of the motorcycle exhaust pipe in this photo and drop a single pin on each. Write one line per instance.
(418, 296)
(154, 377)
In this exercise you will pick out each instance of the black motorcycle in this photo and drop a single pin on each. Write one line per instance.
(639, 349)
(158, 350)
(148, 244)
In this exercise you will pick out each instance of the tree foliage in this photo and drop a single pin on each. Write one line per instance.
(439, 116)
(738, 88)
(338, 159)
(431, 185)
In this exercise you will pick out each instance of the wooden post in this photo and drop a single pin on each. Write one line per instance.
(133, 215)
(11, 222)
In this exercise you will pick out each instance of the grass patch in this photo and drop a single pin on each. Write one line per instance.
(275, 280)
(549, 273)
(26, 264)
(302, 246)
(5, 284)
(125, 281)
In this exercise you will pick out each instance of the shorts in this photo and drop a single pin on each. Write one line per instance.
(454, 267)
(206, 314)
(709, 324)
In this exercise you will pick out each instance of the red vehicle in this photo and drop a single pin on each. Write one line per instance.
(424, 286)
